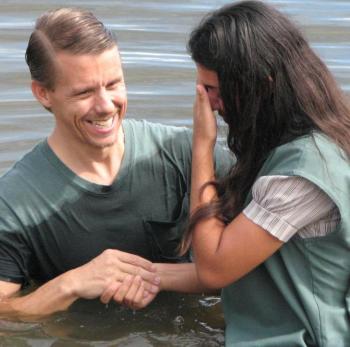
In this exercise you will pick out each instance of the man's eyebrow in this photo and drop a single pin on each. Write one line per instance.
(85, 89)
(80, 90)
(115, 80)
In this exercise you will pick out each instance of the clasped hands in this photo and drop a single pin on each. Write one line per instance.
(117, 276)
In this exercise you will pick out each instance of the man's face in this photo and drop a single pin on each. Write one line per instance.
(89, 98)
(210, 81)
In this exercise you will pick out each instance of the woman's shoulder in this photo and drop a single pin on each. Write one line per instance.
(310, 151)
(314, 157)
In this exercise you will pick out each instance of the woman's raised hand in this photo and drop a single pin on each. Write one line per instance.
(204, 120)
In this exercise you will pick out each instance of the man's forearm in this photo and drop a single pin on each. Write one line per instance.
(55, 295)
(180, 278)
(88, 281)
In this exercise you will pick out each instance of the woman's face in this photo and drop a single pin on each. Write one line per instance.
(209, 79)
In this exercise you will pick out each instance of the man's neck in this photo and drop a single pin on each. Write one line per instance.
(97, 165)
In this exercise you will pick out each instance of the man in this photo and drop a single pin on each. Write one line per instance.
(86, 207)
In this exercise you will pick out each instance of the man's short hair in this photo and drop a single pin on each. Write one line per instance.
(71, 30)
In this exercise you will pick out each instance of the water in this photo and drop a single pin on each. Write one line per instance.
(160, 79)
(172, 321)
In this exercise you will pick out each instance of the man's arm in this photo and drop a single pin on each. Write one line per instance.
(51, 297)
(88, 281)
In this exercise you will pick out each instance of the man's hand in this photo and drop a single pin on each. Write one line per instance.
(131, 293)
(88, 281)
(109, 269)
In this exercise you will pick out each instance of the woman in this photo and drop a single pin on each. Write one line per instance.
(274, 233)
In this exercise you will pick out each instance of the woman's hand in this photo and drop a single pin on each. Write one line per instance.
(204, 120)
(90, 280)
(131, 292)
(204, 138)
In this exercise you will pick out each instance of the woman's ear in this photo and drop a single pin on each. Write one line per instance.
(41, 93)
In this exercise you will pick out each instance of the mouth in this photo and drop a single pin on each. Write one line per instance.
(102, 124)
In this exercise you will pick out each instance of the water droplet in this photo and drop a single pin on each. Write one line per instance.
(179, 320)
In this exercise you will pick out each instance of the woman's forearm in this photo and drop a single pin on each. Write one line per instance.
(180, 278)
(202, 173)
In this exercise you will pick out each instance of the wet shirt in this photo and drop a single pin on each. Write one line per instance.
(51, 220)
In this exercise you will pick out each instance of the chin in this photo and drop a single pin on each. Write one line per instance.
(101, 145)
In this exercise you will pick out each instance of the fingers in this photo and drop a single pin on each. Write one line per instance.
(122, 291)
(151, 278)
(137, 261)
(204, 120)
(131, 292)
(135, 265)
(141, 294)
(201, 91)
(109, 292)
(202, 98)
(133, 298)
(138, 297)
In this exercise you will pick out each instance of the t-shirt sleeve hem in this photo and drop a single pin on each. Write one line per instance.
(269, 221)
(11, 280)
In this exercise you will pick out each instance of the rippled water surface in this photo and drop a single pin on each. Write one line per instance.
(160, 79)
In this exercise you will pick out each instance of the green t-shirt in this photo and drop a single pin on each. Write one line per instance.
(51, 220)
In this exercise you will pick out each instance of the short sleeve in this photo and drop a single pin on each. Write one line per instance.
(14, 253)
(286, 205)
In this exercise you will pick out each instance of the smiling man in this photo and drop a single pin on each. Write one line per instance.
(88, 100)
(94, 204)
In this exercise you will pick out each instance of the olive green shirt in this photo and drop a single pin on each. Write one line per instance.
(51, 220)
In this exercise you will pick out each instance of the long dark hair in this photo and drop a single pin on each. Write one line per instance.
(274, 89)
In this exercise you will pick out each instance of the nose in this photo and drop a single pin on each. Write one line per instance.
(104, 103)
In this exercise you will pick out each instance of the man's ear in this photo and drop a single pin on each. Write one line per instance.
(41, 93)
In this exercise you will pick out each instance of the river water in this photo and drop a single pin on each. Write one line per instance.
(160, 79)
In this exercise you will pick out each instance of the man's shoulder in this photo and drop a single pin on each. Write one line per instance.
(157, 134)
(26, 171)
(156, 127)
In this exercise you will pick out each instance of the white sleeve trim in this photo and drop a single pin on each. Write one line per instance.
(293, 203)
(269, 221)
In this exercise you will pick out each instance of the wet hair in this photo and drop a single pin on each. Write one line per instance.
(67, 29)
(274, 89)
